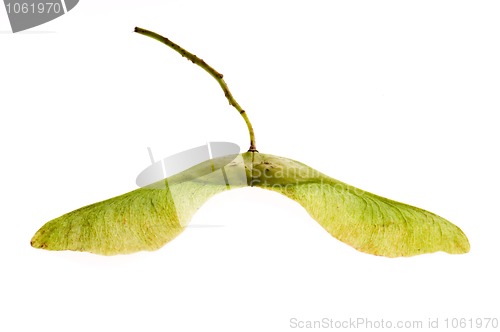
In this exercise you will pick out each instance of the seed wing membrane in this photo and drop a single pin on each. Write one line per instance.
(143, 219)
(374, 224)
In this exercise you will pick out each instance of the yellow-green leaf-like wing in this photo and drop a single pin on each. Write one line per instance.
(367, 222)
(143, 219)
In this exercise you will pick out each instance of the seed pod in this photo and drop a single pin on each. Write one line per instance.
(148, 218)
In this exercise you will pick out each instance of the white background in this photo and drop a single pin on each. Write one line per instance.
(398, 98)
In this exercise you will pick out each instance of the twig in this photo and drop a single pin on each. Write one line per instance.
(215, 74)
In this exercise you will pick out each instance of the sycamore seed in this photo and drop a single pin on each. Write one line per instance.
(149, 217)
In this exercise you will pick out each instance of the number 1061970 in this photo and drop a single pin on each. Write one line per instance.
(471, 323)
(32, 8)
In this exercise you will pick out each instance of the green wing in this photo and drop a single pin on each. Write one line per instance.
(139, 220)
(367, 222)
(143, 219)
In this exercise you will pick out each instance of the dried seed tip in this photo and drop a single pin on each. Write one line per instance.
(36, 243)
